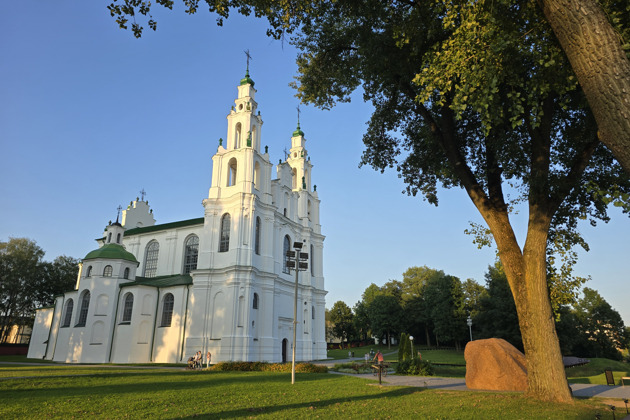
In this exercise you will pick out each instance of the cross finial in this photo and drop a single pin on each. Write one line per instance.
(249, 57)
(142, 194)
(119, 208)
(286, 153)
(298, 111)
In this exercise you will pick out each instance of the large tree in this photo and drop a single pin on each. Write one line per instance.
(594, 44)
(602, 330)
(28, 282)
(476, 95)
(340, 315)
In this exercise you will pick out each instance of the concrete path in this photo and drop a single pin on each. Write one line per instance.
(459, 384)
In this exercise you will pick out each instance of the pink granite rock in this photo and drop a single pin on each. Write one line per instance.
(494, 364)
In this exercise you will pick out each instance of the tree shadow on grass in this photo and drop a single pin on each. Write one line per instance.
(191, 382)
(312, 406)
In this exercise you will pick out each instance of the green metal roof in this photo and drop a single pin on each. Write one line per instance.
(164, 226)
(111, 252)
(161, 281)
(298, 132)
(246, 80)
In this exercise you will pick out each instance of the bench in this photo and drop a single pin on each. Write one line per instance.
(625, 378)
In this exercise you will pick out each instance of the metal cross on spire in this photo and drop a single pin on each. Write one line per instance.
(298, 111)
(119, 208)
(249, 57)
(142, 194)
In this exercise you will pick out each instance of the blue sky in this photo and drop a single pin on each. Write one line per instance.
(89, 116)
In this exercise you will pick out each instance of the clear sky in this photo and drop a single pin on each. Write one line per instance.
(89, 116)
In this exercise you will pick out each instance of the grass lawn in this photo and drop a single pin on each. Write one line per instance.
(593, 372)
(158, 393)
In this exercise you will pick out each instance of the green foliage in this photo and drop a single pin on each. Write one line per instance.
(497, 315)
(415, 367)
(601, 328)
(28, 282)
(353, 367)
(401, 347)
(266, 367)
(340, 315)
(385, 315)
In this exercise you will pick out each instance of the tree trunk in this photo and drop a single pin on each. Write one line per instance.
(527, 275)
(426, 333)
(601, 66)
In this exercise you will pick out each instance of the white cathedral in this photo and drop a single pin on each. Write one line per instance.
(219, 283)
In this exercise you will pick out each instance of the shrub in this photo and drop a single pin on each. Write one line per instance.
(415, 367)
(267, 367)
(353, 367)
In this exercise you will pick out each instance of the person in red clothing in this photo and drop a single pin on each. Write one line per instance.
(379, 357)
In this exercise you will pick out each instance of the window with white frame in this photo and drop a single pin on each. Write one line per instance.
(127, 308)
(151, 259)
(224, 240)
(107, 271)
(67, 316)
(285, 248)
(257, 237)
(191, 253)
(83, 311)
(167, 310)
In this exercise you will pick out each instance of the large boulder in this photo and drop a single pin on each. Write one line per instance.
(494, 364)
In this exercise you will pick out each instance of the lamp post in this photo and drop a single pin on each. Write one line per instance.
(469, 322)
(411, 340)
(296, 260)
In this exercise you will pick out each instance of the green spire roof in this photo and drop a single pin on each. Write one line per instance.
(298, 131)
(111, 252)
(247, 80)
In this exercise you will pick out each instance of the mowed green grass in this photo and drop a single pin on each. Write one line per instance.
(173, 393)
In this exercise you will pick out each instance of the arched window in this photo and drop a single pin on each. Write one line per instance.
(257, 175)
(308, 210)
(257, 237)
(312, 260)
(126, 273)
(294, 181)
(107, 271)
(255, 137)
(127, 308)
(109, 237)
(67, 317)
(232, 166)
(89, 271)
(191, 253)
(255, 302)
(237, 136)
(285, 248)
(118, 238)
(83, 311)
(151, 259)
(312, 312)
(167, 310)
(224, 240)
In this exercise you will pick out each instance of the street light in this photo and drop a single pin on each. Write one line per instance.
(411, 339)
(296, 260)
(469, 322)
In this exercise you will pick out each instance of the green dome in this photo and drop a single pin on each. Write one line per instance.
(298, 131)
(247, 80)
(111, 252)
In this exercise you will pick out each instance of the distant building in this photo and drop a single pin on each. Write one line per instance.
(218, 283)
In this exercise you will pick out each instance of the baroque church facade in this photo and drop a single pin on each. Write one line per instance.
(219, 283)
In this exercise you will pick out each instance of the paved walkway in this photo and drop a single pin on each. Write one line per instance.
(459, 384)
